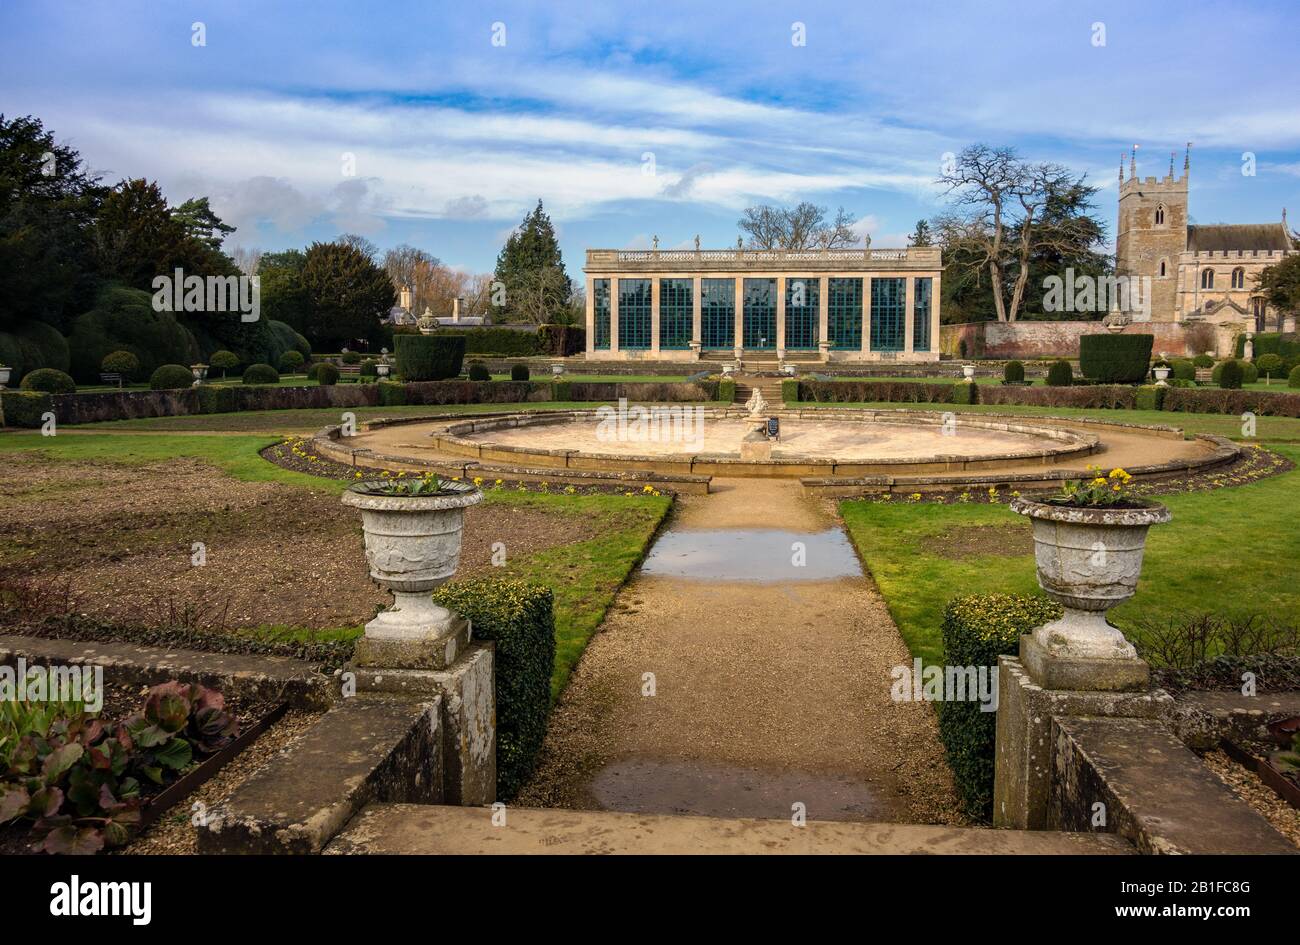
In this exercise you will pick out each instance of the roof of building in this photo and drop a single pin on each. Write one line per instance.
(1231, 237)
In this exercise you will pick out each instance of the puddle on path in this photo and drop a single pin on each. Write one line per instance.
(646, 786)
(753, 554)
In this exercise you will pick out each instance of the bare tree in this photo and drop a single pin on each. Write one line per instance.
(361, 244)
(246, 259)
(998, 203)
(804, 226)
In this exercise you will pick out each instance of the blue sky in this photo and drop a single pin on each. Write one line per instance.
(455, 138)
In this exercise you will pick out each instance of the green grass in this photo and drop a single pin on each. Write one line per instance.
(1223, 552)
(584, 576)
(1267, 429)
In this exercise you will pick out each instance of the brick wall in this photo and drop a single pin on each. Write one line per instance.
(1044, 339)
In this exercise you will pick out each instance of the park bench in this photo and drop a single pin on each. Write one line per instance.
(111, 379)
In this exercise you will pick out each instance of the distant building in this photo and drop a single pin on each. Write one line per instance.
(1198, 273)
(798, 305)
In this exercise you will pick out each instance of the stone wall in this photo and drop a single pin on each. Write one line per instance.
(1049, 339)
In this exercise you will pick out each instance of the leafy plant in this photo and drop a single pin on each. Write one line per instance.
(120, 362)
(1100, 491)
(400, 485)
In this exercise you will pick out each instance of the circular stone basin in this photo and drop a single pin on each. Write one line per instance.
(720, 442)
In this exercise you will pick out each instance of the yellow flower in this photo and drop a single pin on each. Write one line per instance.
(358, 475)
(1099, 481)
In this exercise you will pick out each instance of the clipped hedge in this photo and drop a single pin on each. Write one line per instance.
(327, 375)
(1235, 402)
(478, 371)
(429, 357)
(519, 617)
(727, 391)
(519, 372)
(391, 394)
(502, 342)
(1014, 372)
(562, 341)
(261, 374)
(23, 408)
(870, 391)
(1184, 370)
(49, 381)
(790, 391)
(1060, 374)
(171, 377)
(1115, 359)
(1270, 342)
(1229, 375)
(965, 392)
(1149, 398)
(976, 631)
(561, 391)
(1293, 379)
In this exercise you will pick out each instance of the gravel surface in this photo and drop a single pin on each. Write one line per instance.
(765, 695)
(1247, 786)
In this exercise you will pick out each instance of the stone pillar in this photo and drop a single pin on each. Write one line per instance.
(740, 317)
(823, 312)
(866, 315)
(909, 301)
(654, 316)
(697, 317)
(780, 317)
(934, 315)
(613, 315)
(591, 317)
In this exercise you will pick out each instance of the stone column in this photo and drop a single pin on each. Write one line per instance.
(654, 316)
(613, 314)
(697, 318)
(823, 310)
(591, 317)
(909, 301)
(740, 317)
(780, 317)
(935, 336)
(866, 315)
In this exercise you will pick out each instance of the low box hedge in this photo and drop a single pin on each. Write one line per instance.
(1150, 397)
(519, 617)
(965, 392)
(790, 391)
(561, 391)
(392, 394)
(24, 408)
(977, 630)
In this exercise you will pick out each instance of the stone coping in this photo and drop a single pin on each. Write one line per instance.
(464, 496)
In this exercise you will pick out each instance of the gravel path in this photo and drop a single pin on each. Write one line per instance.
(765, 695)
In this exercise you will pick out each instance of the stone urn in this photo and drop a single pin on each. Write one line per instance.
(382, 368)
(1162, 376)
(1088, 561)
(412, 547)
(557, 370)
(968, 371)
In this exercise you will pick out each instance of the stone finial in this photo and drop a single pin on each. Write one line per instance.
(1171, 163)
(1121, 167)
(1133, 163)
(656, 242)
(697, 242)
(1187, 158)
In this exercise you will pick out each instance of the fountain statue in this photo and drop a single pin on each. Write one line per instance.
(756, 405)
(755, 445)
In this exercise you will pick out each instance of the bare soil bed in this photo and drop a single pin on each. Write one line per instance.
(118, 540)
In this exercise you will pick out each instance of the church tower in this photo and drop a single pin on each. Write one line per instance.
(1152, 230)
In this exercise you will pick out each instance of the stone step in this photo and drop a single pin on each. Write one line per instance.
(366, 749)
(417, 829)
(1156, 792)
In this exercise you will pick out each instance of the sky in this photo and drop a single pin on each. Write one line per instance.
(442, 124)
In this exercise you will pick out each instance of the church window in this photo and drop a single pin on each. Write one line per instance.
(1207, 278)
(1164, 268)
(1160, 215)
(1239, 278)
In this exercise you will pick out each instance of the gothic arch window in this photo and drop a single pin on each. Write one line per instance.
(1164, 269)
(1207, 278)
(1160, 215)
(1239, 278)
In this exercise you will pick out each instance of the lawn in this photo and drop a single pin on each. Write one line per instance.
(1226, 551)
(584, 575)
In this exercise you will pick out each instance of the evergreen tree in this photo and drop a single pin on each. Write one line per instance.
(201, 223)
(347, 294)
(531, 262)
(921, 235)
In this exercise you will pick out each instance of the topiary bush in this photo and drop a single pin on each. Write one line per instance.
(1060, 374)
(124, 320)
(1013, 373)
(291, 361)
(965, 392)
(171, 377)
(351, 357)
(1228, 375)
(519, 617)
(1115, 359)
(478, 371)
(976, 631)
(519, 372)
(261, 374)
(727, 391)
(327, 375)
(223, 361)
(1203, 361)
(1149, 398)
(429, 357)
(1184, 370)
(121, 362)
(790, 390)
(369, 369)
(1270, 365)
(49, 381)
(1249, 373)
(1293, 379)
